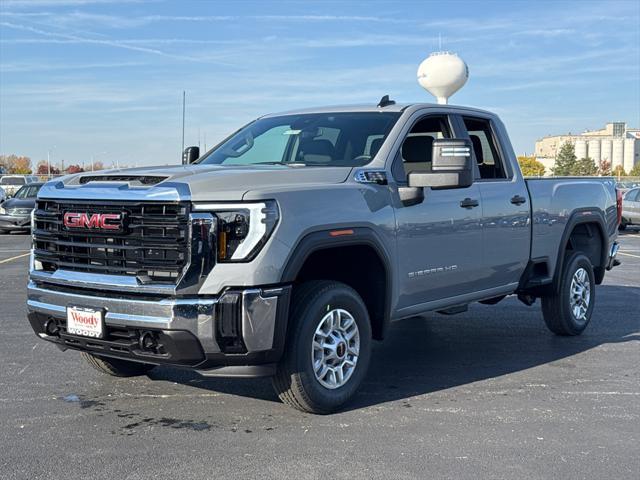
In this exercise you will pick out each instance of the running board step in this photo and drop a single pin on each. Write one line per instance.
(454, 310)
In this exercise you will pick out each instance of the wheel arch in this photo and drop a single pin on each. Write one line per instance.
(584, 225)
(357, 249)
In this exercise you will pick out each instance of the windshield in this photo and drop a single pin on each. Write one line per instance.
(28, 192)
(12, 181)
(319, 139)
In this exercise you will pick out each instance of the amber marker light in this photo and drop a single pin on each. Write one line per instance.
(340, 233)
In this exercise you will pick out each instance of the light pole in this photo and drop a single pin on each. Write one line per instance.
(49, 162)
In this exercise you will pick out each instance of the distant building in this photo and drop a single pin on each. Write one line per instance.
(615, 143)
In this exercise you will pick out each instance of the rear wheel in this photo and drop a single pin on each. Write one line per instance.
(328, 348)
(117, 367)
(568, 311)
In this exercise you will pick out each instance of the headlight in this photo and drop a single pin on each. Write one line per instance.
(2, 211)
(243, 228)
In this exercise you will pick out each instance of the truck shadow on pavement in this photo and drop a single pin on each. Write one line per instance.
(436, 352)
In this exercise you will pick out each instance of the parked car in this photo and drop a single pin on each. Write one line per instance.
(630, 209)
(286, 249)
(15, 213)
(12, 183)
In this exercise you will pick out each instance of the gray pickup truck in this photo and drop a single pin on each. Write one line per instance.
(291, 245)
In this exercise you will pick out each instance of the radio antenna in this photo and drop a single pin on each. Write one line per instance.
(183, 112)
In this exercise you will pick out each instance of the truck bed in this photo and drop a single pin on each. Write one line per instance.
(557, 202)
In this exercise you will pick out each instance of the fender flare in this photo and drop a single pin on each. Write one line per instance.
(582, 216)
(323, 240)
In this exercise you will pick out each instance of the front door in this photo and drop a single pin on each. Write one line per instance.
(439, 239)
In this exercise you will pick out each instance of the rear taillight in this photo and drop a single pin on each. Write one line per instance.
(619, 205)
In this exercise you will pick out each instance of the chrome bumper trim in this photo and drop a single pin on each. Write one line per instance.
(198, 316)
(194, 315)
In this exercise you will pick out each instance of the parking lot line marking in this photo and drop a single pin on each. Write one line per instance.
(629, 254)
(6, 260)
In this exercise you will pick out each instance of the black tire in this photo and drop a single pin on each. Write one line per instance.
(116, 367)
(295, 381)
(556, 307)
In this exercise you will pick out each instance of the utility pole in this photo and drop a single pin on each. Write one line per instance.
(48, 164)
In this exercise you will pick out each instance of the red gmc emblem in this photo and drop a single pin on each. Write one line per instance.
(93, 221)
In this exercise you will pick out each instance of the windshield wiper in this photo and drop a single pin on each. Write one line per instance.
(289, 164)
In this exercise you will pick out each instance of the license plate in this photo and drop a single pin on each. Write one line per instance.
(85, 322)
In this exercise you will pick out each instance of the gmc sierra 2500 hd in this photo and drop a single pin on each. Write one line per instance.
(287, 248)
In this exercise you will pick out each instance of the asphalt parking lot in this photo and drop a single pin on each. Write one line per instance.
(486, 394)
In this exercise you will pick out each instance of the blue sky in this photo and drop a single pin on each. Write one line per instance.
(105, 78)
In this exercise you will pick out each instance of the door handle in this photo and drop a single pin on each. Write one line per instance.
(469, 203)
(518, 200)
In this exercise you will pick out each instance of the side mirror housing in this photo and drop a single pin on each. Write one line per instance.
(451, 166)
(190, 155)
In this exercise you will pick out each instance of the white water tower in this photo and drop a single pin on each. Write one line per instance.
(442, 74)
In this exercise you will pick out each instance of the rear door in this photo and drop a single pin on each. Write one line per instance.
(506, 209)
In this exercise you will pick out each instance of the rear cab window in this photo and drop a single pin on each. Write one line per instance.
(12, 181)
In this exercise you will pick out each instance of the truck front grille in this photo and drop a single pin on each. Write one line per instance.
(150, 243)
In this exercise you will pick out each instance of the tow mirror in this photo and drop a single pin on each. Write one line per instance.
(451, 166)
(190, 155)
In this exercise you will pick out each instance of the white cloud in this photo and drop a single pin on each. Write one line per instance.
(107, 42)
(44, 66)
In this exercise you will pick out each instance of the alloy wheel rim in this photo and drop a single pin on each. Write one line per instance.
(335, 348)
(580, 294)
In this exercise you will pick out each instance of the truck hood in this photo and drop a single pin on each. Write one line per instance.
(195, 182)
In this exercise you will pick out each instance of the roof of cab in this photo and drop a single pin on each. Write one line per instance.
(396, 107)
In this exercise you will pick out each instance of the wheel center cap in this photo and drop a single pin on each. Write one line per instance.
(341, 349)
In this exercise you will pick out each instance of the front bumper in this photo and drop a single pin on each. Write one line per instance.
(15, 222)
(238, 328)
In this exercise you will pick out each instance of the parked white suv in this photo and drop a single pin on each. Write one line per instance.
(10, 184)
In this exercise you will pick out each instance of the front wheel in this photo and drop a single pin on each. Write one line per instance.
(568, 311)
(116, 367)
(328, 348)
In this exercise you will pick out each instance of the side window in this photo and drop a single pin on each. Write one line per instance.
(417, 148)
(632, 195)
(486, 153)
(328, 133)
(372, 145)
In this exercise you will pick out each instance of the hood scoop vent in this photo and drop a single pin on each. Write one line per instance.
(145, 180)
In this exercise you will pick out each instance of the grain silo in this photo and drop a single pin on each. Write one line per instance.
(606, 150)
(629, 154)
(593, 149)
(618, 153)
(581, 148)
